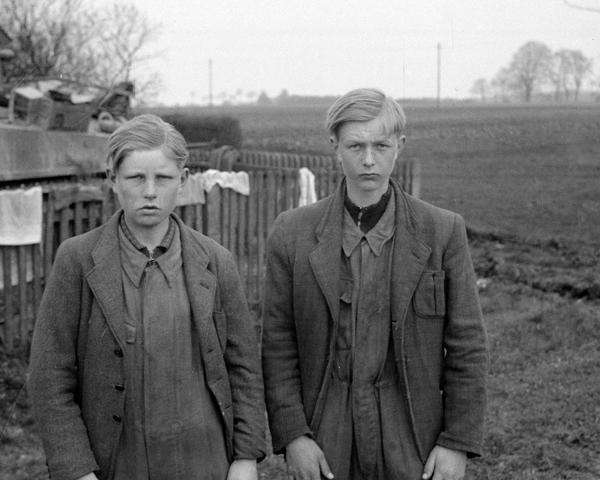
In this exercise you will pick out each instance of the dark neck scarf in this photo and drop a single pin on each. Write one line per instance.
(367, 217)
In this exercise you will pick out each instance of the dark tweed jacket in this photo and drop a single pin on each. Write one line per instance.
(76, 360)
(438, 331)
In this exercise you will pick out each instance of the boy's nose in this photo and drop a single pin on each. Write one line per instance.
(150, 189)
(368, 158)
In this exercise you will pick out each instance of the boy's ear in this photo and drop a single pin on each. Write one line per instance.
(111, 177)
(401, 144)
(335, 144)
(185, 174)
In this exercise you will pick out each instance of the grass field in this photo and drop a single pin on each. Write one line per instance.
(526, 179)
(529, 170)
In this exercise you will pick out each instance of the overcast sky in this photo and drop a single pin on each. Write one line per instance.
(327, 47)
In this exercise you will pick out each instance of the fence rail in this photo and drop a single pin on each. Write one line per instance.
(240, 223)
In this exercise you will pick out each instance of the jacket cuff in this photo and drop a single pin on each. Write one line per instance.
(472, 449)
(287, 425)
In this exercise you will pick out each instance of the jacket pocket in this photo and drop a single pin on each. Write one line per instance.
(220, 321)
(429, 299)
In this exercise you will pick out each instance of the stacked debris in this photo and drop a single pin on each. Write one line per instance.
(58, 104)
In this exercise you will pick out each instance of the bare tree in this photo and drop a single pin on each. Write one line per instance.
(559, 72)
(502, 84)
(72, 39)
(529, 68)
(42, 31)
(480, 88)
(579, 67)
(121, 43)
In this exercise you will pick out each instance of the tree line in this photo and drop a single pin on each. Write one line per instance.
(535, 68)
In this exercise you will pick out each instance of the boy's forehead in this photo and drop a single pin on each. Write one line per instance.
(373, 129)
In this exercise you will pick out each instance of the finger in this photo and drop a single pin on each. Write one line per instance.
(324, 466)
(429, 467)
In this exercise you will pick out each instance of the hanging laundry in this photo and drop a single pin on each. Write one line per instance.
(308, 194)
(193, 191)
(21, 216)
(237, 181)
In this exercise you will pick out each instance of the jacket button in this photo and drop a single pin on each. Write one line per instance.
(117, 418)
(118, 352)
(119, 387)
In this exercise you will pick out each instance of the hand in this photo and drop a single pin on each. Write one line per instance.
(305, 460)
(89, 476)
(445, 464)
(242, 469)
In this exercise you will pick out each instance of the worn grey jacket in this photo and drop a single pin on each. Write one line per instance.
(76, 365)
(436, 322)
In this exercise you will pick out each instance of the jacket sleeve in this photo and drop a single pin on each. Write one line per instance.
(465, 344)
(52, 382)
(283, 390)
(243, 366)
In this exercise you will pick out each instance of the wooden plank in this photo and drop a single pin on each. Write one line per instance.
(65, 217)
(78, 213)
(261, 234)
(37, 283)
(8, 317)
(198, 217)
(23, 303)
(296, 189)
(252, 237)
(226, 194)
(271, 197)
(242, 239)
(234, 218)
(189, 216)
(49, 235)
(213, 213)
(94, 215)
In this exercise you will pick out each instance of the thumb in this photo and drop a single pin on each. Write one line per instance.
(430, 465)
(325, 470)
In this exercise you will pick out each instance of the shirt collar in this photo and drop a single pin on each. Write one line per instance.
(376, 237)
(161, 248)
(135, 261)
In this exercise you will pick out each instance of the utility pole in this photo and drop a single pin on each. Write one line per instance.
(210, 88)
(439, 72)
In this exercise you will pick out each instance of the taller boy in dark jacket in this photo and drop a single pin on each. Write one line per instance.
(374, 347)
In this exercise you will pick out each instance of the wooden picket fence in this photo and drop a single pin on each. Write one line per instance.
(240, 223)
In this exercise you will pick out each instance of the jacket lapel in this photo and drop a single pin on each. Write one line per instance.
(409, 257)
(201, 284)
(326, 256)
(105, 279)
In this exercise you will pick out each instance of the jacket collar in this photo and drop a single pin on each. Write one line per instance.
(409, 257)
(105, 278)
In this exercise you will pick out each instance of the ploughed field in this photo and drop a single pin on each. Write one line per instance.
(527, 181)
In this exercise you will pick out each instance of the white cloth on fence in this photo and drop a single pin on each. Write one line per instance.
(237, 181)
(193, 191)
(308, 194)
(21, 216)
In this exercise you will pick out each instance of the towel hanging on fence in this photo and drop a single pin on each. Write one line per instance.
(21, 216)
(193, 191)
(308, 194)
(237, 181)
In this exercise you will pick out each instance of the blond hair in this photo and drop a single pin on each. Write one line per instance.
(364, 105)
(143, 133)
